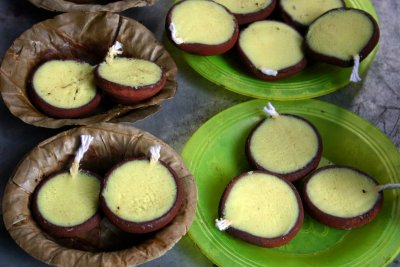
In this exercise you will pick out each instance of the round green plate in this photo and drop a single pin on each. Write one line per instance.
(215, 154)
(316, 80)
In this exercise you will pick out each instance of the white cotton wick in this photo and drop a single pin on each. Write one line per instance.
(154, 153)
(222, 224)
(85, 143)
(113, 51)
(269, 72)
(387, 186)
(270, 110)
(355, 77)
(174, 36)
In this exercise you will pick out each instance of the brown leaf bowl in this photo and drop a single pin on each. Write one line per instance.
(90, 5)
(104, 245)
(85, 36)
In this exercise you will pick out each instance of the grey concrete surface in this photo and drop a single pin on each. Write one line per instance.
(376, 98)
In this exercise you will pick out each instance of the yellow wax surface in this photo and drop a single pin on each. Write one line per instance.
(284, 144)
(271, 45)
(306, 11)
(68, 201)
(204, 22)
(244, 6)
(342, 192)
(262, 205)
(140, 191)
(340, 34)
(65, 83)
(131, 72)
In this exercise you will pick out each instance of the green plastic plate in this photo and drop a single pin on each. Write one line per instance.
(316, 80)
(215, 154)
